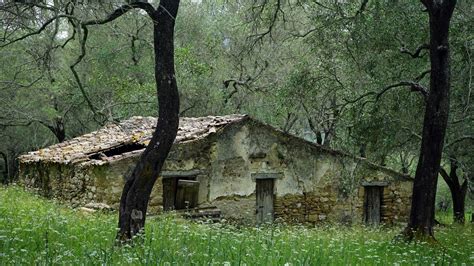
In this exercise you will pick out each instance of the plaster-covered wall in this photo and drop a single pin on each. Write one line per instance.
(313, 184)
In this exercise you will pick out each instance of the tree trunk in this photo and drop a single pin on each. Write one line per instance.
(137, 190)
(6, 173)
(60, 131)
(57, 128)
(458, 206)
(362, 150)
(458, 191)
(421, 221)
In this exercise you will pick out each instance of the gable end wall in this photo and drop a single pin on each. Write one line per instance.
(314, 186)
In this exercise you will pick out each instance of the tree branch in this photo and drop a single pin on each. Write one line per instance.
(41, 29)
(308, 118)
(260, 36)
(187, 109)
(289, 122)
(445, 176)
(83, 25)
(121, 11)
(19, 85)
(76, 75)
(417, 52)
(324, 6)
(17, 124)
(414, 86)
(412, 132)
(347, 101)
(422, 75)
(463, 138)
(362, 7)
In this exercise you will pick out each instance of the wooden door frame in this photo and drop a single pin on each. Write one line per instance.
(257, 181)
(366, 202)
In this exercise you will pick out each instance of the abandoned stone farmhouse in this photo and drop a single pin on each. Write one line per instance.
(249, 171)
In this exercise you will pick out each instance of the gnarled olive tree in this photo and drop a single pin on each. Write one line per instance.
(137, 190)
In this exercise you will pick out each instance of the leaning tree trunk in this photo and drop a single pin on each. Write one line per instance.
(458, 191)
(421, 221)
(137, 190)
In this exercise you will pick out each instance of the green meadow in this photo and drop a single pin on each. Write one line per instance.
(36, 231)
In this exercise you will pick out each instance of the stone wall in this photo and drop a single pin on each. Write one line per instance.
(314, 185)
(56, 181)
(324, 206)
(396, 202)
(79, 185)
(312, 207)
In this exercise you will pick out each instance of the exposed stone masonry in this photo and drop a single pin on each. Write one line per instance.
(320, 206)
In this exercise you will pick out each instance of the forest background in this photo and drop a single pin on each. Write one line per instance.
(332, 72)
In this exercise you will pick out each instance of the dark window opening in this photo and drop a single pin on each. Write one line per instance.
(117, 150)
(180, 193)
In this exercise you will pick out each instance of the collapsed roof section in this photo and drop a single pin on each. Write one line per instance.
(127, 138)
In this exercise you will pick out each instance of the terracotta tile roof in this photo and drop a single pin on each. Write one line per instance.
(127, 138)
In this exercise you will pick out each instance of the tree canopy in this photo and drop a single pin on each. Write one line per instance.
(351, 75)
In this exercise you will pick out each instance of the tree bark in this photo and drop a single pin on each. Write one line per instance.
(459, 205)
(6, 173)
(421, 221)
(57, 128)
(458, 191)
(362, 150)
(137, 190)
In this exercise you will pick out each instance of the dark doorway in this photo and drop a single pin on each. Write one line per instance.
(373, 205)
(180, 193)
(265, 199)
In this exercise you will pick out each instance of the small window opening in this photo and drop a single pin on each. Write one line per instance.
(117, 150)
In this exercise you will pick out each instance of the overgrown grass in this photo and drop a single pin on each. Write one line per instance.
(37, 231)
